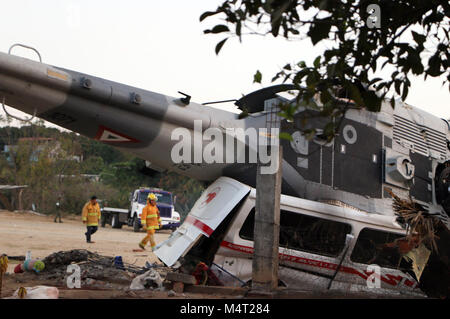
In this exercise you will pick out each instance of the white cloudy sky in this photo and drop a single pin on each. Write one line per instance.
(160, 46)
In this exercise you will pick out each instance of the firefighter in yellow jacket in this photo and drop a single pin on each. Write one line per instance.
(91, 215)
(150, 220)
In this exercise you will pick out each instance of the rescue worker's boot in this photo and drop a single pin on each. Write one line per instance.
(88, 238)
(141, 246)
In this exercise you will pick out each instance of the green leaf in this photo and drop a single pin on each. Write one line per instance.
(300, 75)
(329, 131)
(374, 80)
(317, 62)
(257, 77)
(238, 28)
(371, 101)
(405, 91)
(417, 68)
(397, 84)
(319, 31)
(325, 5)
(325, 96)
(355, 95)
(243, 114)
(275, 27)
(218, 29)
(419, 38)
(220, 45)
(311, 79)
(207, 14)
(434, 65)
(392, 102)
(276, 17)
(286, 136)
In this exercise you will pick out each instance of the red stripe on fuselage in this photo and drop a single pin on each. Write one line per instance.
(200, 225)
(391, 279)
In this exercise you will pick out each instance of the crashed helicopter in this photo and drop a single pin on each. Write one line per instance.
(336, 209)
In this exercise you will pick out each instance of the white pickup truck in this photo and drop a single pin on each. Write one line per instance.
(117, 217)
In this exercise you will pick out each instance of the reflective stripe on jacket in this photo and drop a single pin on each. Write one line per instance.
(150, 218)
(91, 214)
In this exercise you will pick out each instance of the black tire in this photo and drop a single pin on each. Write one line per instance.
(103, 220)
(115, 223)
(136, 224)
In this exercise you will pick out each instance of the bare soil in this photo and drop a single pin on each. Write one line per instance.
(22, 231)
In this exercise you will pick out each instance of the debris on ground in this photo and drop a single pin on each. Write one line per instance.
(38, 292)
(95, 270)
(35, 265)
(180, 277)
(179, 280)
(205, 276)
(149, 280)
(18, 258)
(171, 293)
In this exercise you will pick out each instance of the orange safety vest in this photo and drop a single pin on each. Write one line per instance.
(91, 214)
(150, 217)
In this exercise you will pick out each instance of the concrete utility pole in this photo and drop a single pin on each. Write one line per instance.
(267, 230)
(267, 218)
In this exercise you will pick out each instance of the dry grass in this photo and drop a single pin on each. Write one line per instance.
(420, 223)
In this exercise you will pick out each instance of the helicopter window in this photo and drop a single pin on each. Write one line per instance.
(306, 233)
(370, 248)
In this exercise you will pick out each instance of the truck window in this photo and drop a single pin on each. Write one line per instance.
(164, 198)
(370, 248)
(305, 233)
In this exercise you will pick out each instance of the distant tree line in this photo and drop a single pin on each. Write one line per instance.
(55, 163)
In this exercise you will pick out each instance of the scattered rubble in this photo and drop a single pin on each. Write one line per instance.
(18, 258)
(93, 268)
(179, 280)
(30, 265)
(97, 272)
(151, 279)
(171, 293)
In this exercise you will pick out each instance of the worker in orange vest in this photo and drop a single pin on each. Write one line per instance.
(150, 220)
(90, 216)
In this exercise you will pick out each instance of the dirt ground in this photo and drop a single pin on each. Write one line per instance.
(22, 232)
